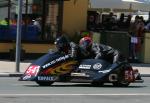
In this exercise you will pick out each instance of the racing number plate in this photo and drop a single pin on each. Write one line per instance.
(129, 76)
(32, 70)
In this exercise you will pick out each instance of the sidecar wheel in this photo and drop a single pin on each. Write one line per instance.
(43, 83)
(121, 84)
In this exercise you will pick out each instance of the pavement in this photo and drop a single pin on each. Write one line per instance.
(8, 68)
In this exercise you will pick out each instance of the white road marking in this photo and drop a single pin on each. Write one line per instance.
(134, 94)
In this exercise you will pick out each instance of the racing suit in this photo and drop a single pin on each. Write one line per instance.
(76, 52)
(97, 51)
(100, 51)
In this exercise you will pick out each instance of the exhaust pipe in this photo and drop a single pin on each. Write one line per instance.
(113, 77)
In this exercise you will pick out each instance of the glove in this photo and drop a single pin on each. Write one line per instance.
(98, 56)
(73, 53)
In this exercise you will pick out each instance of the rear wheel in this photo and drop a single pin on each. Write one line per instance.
(44, 83)
(124, 76)
(121, 84)
(97, 84)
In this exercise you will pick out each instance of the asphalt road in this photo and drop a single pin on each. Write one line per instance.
(14, 91)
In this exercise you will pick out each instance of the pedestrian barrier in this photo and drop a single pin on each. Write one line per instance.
(29, 32)
(3, 32)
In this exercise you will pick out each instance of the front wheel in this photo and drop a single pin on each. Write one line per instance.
(43, 83)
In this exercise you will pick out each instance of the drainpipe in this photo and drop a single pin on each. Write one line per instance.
(9, 7)
(43, 18)
(60, 17)
(26, 15)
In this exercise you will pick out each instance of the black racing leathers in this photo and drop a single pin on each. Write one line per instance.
(100, 51)
(73, 50)
(97, 51)
(77, 52)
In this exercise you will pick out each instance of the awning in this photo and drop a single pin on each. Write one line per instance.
(3, 3)
(142, 5)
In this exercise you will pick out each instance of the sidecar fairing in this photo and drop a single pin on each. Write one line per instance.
(101, 71)
(55, 67)
(49, 68)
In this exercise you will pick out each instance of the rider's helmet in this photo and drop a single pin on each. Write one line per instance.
(85, 43)
(62, 44)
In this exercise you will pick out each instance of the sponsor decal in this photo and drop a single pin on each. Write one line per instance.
(46, 78)
(55, 61)
(97, 66)
(105, 71)
(32, 70)
(26, 77)
(129, 75)
(79, 74)
(85, 66)
(60, 69)
(113, 77)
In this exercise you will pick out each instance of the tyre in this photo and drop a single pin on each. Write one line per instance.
(97, 84)
(121, 84)
(43, 83)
